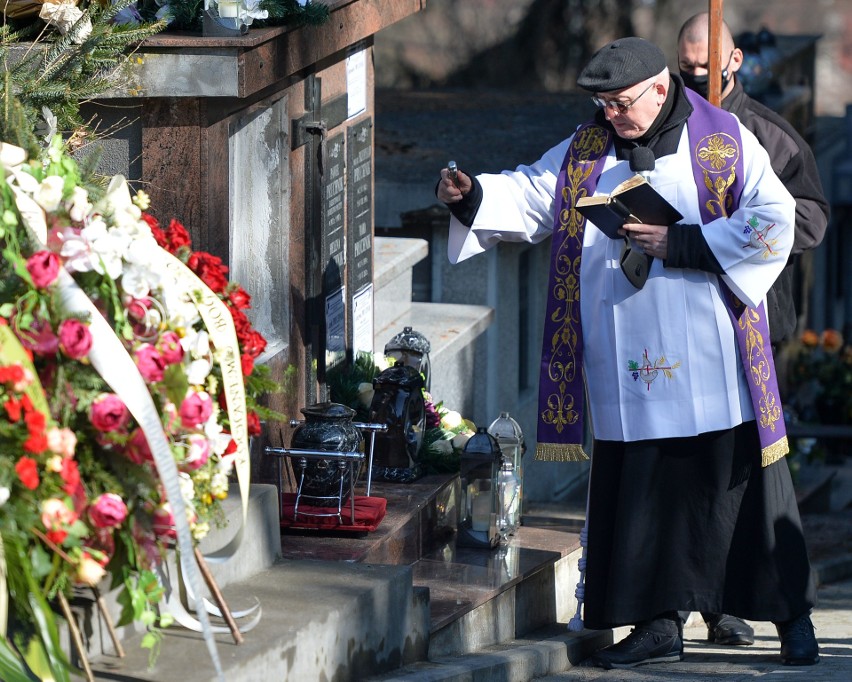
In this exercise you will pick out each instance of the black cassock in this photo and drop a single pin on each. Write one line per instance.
(693, 524)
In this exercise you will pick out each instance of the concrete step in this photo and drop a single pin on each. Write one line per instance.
(393, 260)
(453, 330)
(547, 651)
(321, 620)
(259, 549)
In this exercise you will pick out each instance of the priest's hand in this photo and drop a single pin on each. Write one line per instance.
(452, 192)
(652, 239)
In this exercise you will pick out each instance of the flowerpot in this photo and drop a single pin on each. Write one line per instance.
(327, 426)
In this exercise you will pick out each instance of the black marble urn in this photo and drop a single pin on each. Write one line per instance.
(327, 426)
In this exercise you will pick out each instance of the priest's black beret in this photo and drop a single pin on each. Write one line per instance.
(622, 63)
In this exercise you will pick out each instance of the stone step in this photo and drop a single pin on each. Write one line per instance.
(547, 651)
(393, 260)
(259, 549)
(321, 620)
(453, 330)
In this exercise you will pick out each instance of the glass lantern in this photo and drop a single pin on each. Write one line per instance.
(478, 511)
(411, 348)
(507, 432)
(225, 18)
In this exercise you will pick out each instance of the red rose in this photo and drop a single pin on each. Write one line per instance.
(177, 235)
(170, 348)
(253, 424)
(27, 471)
(43, 267)
(239, 298)
(196, 409)
(75, 340)
(210, 270)
(150, 363)
(108, 511)
(109, 413)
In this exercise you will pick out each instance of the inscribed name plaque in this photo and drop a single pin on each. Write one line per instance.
(333, 247)
(359, 148)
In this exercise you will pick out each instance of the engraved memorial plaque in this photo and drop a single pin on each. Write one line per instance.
(360, 222)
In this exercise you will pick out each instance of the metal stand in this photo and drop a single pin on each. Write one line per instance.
(344, 460)
(372, 428)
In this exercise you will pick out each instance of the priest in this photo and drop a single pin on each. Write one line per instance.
(691, 503)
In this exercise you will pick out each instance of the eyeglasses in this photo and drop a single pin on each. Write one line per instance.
(621, 107)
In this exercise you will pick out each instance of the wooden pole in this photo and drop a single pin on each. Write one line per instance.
(714, 46)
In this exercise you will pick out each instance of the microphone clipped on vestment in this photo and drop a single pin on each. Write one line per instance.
(635, 264)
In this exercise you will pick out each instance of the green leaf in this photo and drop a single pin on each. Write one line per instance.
(176, 383)
(12, 668)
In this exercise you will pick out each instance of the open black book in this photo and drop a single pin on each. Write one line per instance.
(633, 201)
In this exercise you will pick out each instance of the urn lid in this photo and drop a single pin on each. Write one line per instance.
(409, 340)
(400, 375)
(327, 411)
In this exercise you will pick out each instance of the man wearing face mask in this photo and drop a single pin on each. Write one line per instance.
(793, 161)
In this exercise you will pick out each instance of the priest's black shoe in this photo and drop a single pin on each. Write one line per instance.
(730, 630)
(798, 643)
(640, 647)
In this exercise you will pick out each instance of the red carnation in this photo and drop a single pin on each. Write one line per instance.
(253, 344)
(253, 424)
(13, 409)
(239, 298)
(70, 475)
(247, 363)
(156, 231)
(27, 471)
(210, 270)
(177, 235)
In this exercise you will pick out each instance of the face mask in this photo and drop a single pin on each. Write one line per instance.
(701, 84)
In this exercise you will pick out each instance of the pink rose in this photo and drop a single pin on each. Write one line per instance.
(150, 363)
(170, 348)
(164, 521)
(61, 441)
(43, 267)
(107, 511)
(75, 340)
(196, 409)
(137, 449)
(109, 413)
(39, 337)
(199, 452)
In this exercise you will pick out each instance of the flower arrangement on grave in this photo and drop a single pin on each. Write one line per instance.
(129, 389)
(818, 383)
(446, 431)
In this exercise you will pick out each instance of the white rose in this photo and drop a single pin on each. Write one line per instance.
(79, 205)
(442, 447)
(49, 193)
(461, 440)
(4, 495)
(451, 420)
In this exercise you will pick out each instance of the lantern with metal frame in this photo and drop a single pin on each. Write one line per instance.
(225, 18)
(411, 348)
(478, 511)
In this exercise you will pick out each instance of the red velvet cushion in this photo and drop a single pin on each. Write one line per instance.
(369, 512)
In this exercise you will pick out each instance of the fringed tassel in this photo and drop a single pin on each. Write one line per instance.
(576, 623)
(560, 452)
(771, 453)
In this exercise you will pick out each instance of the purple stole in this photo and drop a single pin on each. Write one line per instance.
(717, 168)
